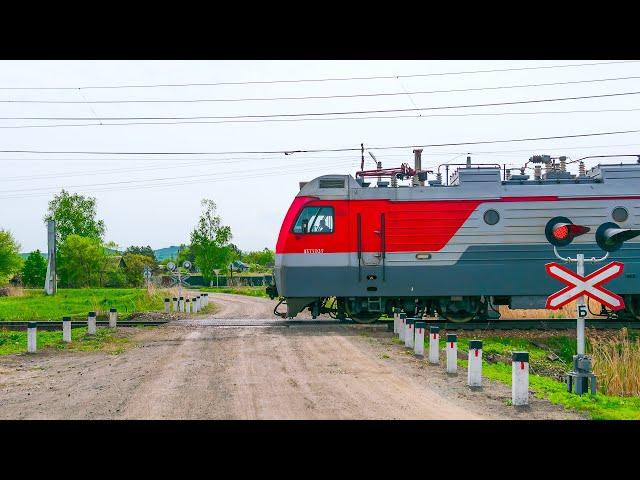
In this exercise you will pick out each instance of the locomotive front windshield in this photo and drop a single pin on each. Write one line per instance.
(314, 220)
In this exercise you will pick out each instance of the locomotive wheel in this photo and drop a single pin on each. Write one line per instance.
(633, 306)
(365, 317)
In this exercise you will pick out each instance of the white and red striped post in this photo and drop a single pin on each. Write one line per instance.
(452, 353)
(396, 317)
(418, 348)
(434, 345)
(474, 375)
(408, 333)
(401, 326)
(520, 378)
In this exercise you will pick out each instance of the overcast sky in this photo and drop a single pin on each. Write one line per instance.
(155, 199)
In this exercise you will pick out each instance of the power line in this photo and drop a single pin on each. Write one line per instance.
(377, 117)
(318, 150)
(335, 79)
(353, 112)
(320, 97)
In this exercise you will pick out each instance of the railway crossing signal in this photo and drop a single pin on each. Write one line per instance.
(560, 231)
(577, 285)
(610, 236)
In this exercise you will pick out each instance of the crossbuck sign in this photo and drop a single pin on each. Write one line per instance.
(590, 285)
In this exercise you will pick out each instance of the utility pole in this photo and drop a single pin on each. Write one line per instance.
(51, 280)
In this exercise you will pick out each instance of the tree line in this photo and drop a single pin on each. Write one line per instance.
(85, 259)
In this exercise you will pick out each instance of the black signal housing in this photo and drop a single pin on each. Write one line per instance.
(610, 237)
(560, 231)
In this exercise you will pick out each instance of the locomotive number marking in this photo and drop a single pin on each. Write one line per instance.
(314, 250)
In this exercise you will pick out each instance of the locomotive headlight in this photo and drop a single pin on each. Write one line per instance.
(610, 236)
(560, 231)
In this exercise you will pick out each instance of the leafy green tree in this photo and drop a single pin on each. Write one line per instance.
(146, 251)
(210, 241)
(134, 268)
(82, 261)
(10, 260)
(34, 270)
(74, 215)
(185, 253)
(260, 260)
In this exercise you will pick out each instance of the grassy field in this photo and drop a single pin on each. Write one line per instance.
(105, 339)
(249, 291)
(545, 374)
(77, 302)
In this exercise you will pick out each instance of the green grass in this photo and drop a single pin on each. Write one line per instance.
(249, 291)
(77, 302)
(105, 339)
(600, 407)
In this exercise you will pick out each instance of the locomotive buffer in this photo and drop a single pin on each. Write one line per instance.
(560, 232)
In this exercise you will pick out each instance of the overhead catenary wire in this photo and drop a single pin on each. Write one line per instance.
(383, 117)
(318, 97)
(333, 79)
(311, 114)
(319, 150)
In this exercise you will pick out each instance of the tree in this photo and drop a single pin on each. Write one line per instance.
(74, 215)
(134, 268)
(146, 251)
(210, 241)
(82, 261)
(261, 259)
(10, 260)
(34, 270)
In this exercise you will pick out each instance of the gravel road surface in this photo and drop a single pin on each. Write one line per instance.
(197, 369)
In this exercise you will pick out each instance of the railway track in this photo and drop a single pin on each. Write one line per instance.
(57, 324)
(535, 324)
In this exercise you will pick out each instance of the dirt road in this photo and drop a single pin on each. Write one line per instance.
(186, 370)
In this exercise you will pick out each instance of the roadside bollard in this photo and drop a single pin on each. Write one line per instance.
(198, 303)
(452, 353)
(520, 378)
(167, 303)
(206, 299)
(187, 306)
(181, 304)
(434, 345)
(396, 317)
(474, 376)
(32, 337)
(401, 325)
(175, 304)
(91, 323)
(66, 329)
(113, 318)
(418, 348)
(194, 306)
(408, 333)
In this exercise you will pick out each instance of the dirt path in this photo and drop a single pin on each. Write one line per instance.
(189, 371)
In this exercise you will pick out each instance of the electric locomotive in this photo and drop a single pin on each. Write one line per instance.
(357, 249)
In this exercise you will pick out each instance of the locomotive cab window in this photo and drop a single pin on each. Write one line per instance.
(314, 220)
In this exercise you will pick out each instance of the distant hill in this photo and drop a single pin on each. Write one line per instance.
(168, 252)
(161, 253)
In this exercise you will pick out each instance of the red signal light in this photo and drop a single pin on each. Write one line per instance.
(561, 232)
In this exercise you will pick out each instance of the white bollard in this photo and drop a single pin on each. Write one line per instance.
(167, 303)
(452, 353)
(187, 306)
(66, 329)
(520, 378)
(474, 375)
(408, 333)
(396, 317)
(181, 304)
(206, 299)
(32, 337)
(194, 307)
(434, 345)
(91, 323)
(199, 302)
(113, 318)
(418, 348)
(176, 307)
(401, 325)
